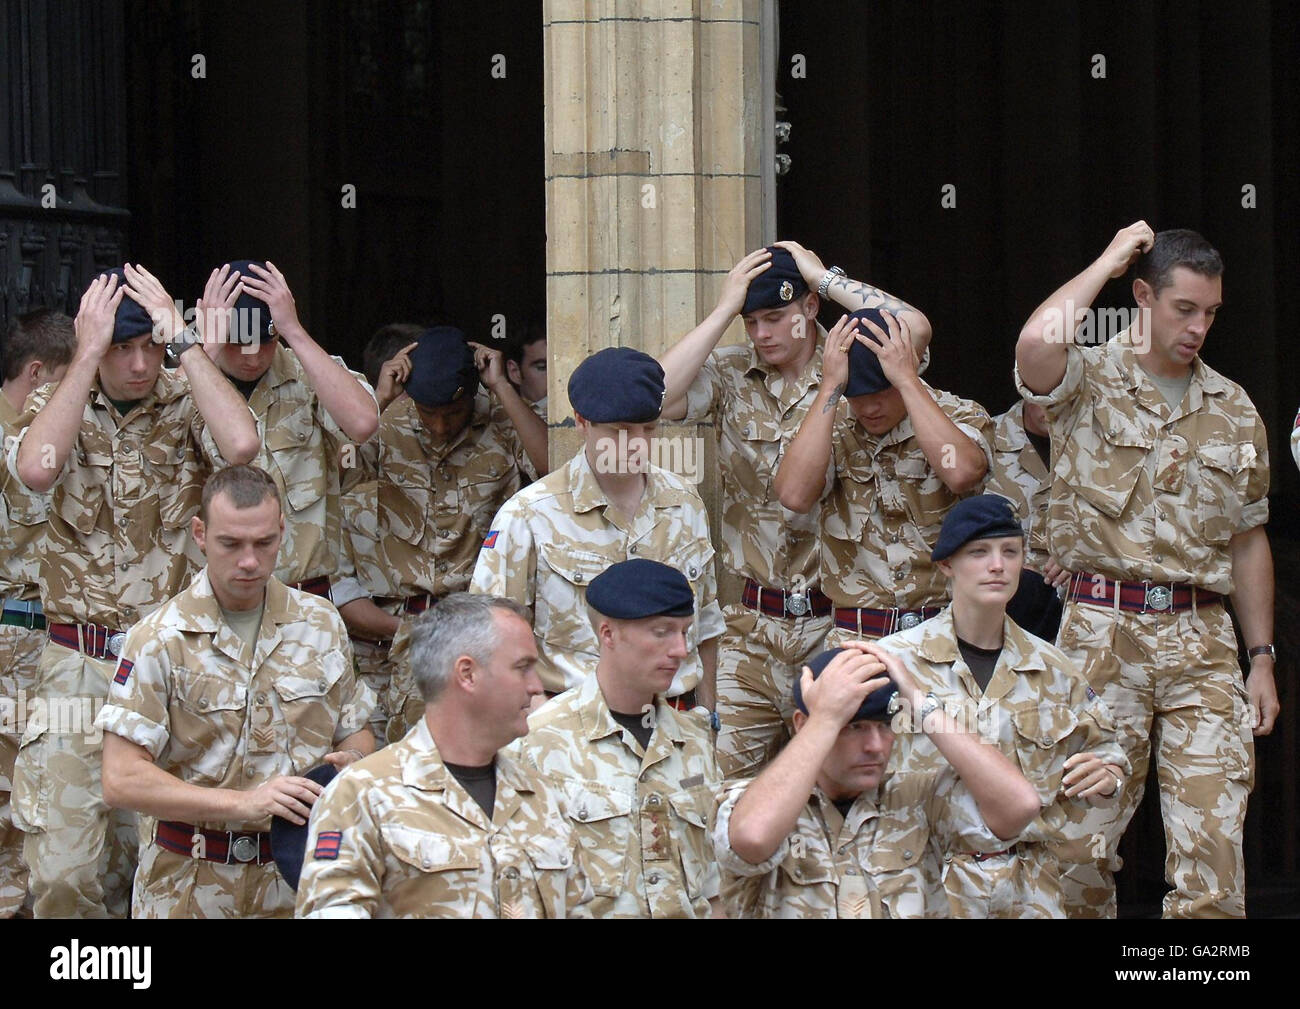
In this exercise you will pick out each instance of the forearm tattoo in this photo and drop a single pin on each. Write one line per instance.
(835, 397)
(872, 297)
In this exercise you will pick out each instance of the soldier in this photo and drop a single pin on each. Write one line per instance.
(445, 460)
(897, 460)
(1158, 503)
(868, 843)
(639, 777)
(310, 410)
(117, 445)
(445, 823)
(1022, 695)
(37, 350)
(608, 504)
(222, 700)
(756, 397)
(1022, 450)
(385, 346)
(526, 367)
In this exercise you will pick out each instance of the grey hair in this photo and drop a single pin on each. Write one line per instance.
(460, 624)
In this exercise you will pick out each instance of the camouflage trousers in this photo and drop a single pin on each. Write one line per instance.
(1172, 681)
(1021, 884)
(171, 885)
(81, 854)
(757, 660)
(376, 670)
(20, 656)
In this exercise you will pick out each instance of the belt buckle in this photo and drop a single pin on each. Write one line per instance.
(909, 620)
(1159, 597)
(244, 849)
(796, 602)
(115, 643)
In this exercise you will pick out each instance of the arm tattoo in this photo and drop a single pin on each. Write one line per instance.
(872, 297)
(835, 397)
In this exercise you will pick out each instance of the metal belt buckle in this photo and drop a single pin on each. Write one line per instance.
(1159, 597)
(796, 602)
(909, 620)
(244, 849)
(115, 643)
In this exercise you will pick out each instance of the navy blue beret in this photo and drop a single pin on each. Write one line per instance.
(865, 374)
(618, 385)
(875, 706)
(246, 305)
(442, 368)
(777, 286)
(131, 320)
(288, 840)
(983, 516)
(640, 588)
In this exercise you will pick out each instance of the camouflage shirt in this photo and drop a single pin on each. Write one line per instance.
(881, 516)
(22, 523)
(756, 414)
(1019, 474)
(213, 715)
(556, 535)
(397, 836)
(1141, 491)
(644, 817)
(117, 543)
(308, 455)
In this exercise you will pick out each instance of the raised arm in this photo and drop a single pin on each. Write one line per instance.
(530, 427)
(1041, 350)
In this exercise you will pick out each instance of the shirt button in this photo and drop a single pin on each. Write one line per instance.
(1158, 558)
(261, 698)
(850, 871)
(1045, 741)
(123, 566)
(511, 872)
(632, 549)
(582, 813)
(320, 684)
(844, 849)
(122, 522)
(203, 702)
(248, 772)
(428, 862)
(898, 576)
(653, 801)
(907, 852)
(577, 578)
(653, 878)
(564, 860)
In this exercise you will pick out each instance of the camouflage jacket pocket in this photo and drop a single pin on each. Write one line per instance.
(1042, 735)
(297, 453)
(207, 717)
(1220, 491)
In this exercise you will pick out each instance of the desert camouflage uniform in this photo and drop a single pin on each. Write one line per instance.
(213, 715)
(359, 565)
(882, 860)
(412, 843)
(756, 413)
(22, 522)
(308, 457)
(556, 535)
(1038, 711)
(644, 817)
(433, 504)
(1142, 492)
(117, 546)
(881, 516)
(1019, 474)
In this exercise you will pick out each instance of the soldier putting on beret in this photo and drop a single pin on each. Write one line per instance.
(886, 470)
(1158, 502)
(221, 701)
(607, 504)
(118, 446)
(639, 776)
(445, 459)
(756, 396)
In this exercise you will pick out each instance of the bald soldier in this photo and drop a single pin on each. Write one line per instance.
(609, 503)
(899, 457)
(222, 700)
(37, 349)
(117, 445)
(829, 830)
(638, 776)
(756, 396)
(446, 823)
(1158, 503)
(311, 414)
(446, 458)
(1022, 695)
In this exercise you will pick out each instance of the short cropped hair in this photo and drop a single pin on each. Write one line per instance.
(42, 335)
(515, 346)
(460, 624)
(246, 486)
(384, 344)
(1174, 248)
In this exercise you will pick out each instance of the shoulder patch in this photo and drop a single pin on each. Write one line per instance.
(124, 667)
(1092, 694)
(490, 540)
(327, 845)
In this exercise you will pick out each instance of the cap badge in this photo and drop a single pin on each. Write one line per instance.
(787, 290)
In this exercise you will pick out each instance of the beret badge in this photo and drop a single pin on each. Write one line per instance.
(787, 290)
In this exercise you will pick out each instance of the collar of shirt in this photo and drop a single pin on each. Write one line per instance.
(1011, 437)
(1019, 655)
(478, 420)
(587, 495)
(167, 389)
(775, 382)
(598, 723)
(1205, 380)
(865, 807)
(201, 614)
(423, 770)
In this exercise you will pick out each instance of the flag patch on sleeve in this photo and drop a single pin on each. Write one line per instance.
(490, 540)
(124, 668)
(327, 844)
(1092, 694)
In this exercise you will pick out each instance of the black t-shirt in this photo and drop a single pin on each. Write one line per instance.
(635, 724)
(479, 782)
(843, 805)
(245, 385)
(982, 661)
(1042, 445)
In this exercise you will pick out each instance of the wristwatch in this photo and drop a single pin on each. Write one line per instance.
(929, 705)
(185, 339)
(829, 276)
(1268, 650)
